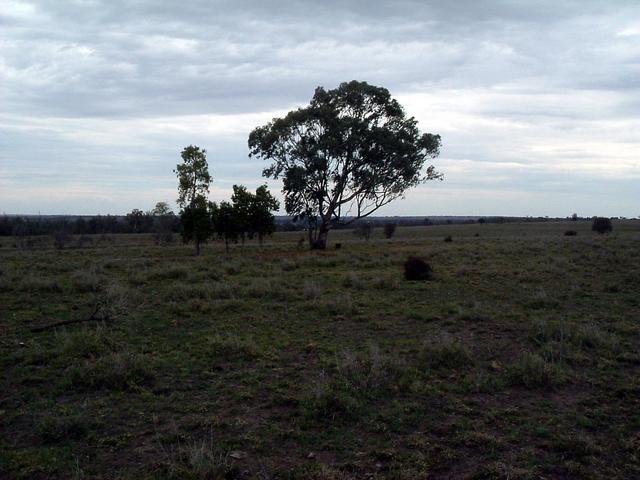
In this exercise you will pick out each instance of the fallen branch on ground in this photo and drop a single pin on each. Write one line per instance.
(94, 316)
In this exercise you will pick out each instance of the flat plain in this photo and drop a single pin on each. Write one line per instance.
(520, 359)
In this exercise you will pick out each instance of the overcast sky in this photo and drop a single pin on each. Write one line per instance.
(537, 102)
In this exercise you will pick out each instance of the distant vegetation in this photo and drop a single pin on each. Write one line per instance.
(36, 225)
(602, 225)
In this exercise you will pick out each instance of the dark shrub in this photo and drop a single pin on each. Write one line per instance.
(570, 233)
(448, 239)
(389, 229)
(476, 235)
(338, 246)
(417, 269)
(602, 225)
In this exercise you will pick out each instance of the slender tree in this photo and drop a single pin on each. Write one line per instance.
(193, 187)
(193, 175)
(350, 152)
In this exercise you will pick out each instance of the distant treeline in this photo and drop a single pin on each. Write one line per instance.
(15, 225)
(148, 223)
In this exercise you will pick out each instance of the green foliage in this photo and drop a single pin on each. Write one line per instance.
(262, 220)
(352, 149)
(196, 221)
(247, 215)
(161, 209)
(225, 223)
(242, 202)
(193, 175)
(252, 212)
(193, 187)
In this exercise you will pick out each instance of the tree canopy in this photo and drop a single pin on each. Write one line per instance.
(350, 152)
(193, 175)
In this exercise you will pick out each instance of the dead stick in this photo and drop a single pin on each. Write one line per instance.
(70, 322)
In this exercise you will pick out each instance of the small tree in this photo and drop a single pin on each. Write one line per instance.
(193, 188)
(134, 219)
(166, 221)
(196, 222)
(350, 152)
(252, 212)
(224, 219)
(242, 201)
(389, 229)
(574, 217)
(602, 225)
(262, 220)
(363, 230)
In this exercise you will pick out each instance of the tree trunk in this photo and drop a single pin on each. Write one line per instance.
(320, 242)
(197, 242)
(310, 232)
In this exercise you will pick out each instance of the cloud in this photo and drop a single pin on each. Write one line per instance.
(106, 93)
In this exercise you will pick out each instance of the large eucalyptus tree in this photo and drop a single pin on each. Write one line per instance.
(351, 151)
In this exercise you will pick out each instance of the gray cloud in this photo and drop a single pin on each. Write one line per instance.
(113, 89)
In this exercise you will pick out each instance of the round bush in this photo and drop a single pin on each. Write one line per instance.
(417, 269)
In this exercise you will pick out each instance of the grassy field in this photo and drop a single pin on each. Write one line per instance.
(520, 359)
